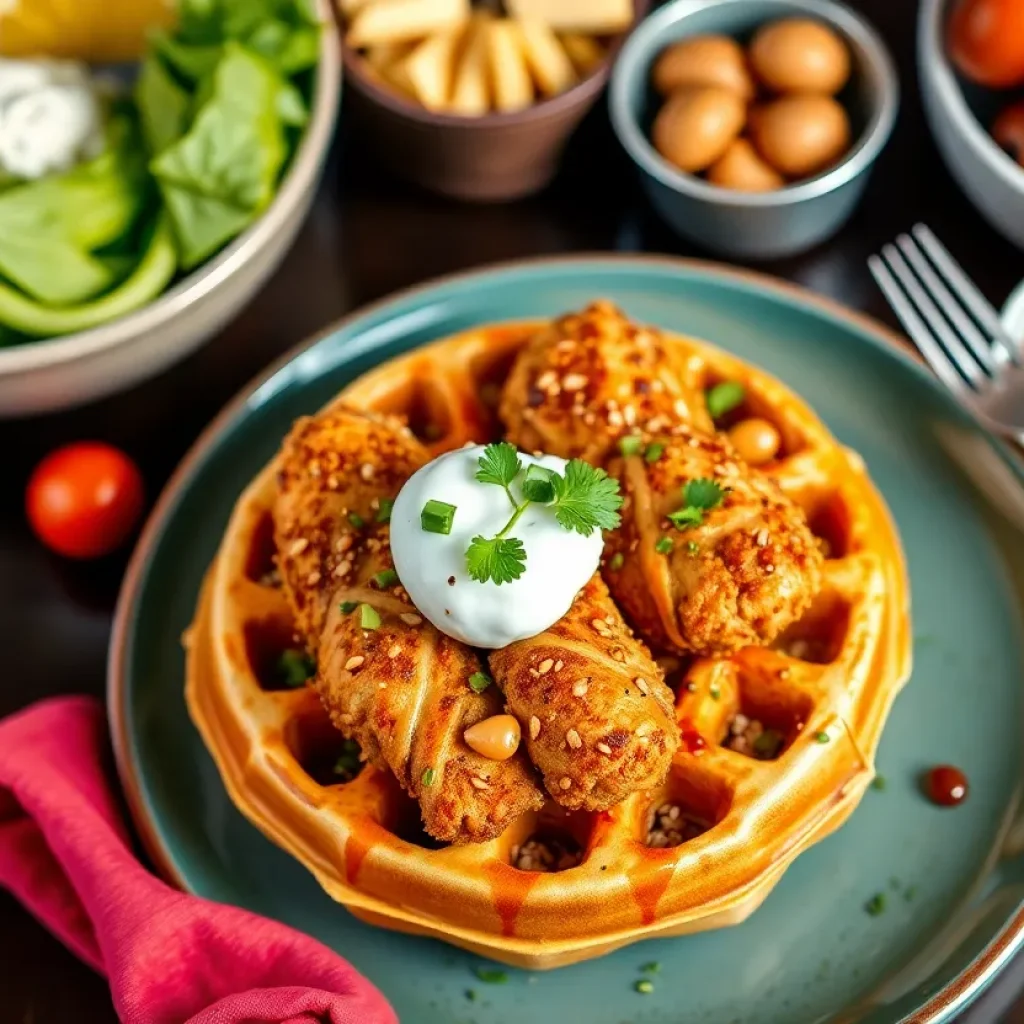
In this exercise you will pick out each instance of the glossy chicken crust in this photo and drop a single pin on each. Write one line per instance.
(400, 688)
(749, 570)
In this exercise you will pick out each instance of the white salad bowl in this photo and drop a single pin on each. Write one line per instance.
(45, 376)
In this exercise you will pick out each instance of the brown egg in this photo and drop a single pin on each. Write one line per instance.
(740, 167)
(695, 126)
(798, 55)
(703, 60)
(757, 441)
(800, 135)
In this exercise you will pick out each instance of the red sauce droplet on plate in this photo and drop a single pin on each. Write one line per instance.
(946, 785)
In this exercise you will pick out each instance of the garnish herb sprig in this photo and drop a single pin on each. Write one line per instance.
(584, 499)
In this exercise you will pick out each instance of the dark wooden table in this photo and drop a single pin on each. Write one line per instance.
(368, 236)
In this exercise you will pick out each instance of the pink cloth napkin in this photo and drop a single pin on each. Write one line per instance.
(169, 958)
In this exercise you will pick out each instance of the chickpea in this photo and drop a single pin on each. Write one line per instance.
(496, 737)
(756, 440)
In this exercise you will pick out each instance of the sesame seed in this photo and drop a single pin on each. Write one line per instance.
(395, 651)
(545, 666)
(478, 783)
(599, 627)
(603, 748)
(382, 686)
(762, 537)
(643, 729)
(546, 379)
(343, 568)
(344, 543)
(579, 688)
(785, 673)
(574, 381)
(534, 727)
(641, 685)
(354, 662)
(769, 569)
(619, 654)
(629, 415)
(313, 578)
(565, 782)
(572, 737)
(298, 546)
(333, 483)
(559, 665)
(314, 469)
(366, 471)
(411, 619)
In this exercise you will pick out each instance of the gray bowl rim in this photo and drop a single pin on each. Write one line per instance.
(312, 150)
(873, 138)
(935, 65)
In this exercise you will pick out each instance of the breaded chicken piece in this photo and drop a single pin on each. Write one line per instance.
(397, 686)
(598, 719)
(590, 377)
(737, 579)
(743, 575)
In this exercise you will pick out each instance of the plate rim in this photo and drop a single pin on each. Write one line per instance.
(959, 992)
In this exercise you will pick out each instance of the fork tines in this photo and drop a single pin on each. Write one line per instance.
(955, 327)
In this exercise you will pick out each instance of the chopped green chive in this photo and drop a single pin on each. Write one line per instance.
(822, 737)
(652, 968)
(692, 547)
(428, 777)
(630, 445)
(715, 691)
(654, 452)
(437, 517)
(664, 545)
(384, 512)
(356, 520)
(386, 578)
(295, 667)
(879, 783)
(348, 607)
(537, 485)
(876, 905)
(369, 617)
(724, 397)
(347, 766)
(617, 561)
(644, 987)
(479, 681)
(684, 518)
(491, 976)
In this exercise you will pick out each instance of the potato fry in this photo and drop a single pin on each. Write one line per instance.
(431, 69)
(471, 94)
(584, 51)
(384, 55)
(349, 8)
(395, 21)
(546, 58)
(510, 77)
(597, 17)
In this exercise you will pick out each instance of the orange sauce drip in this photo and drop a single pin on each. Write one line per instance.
(356, 849)
(650, 880)
(509, 889)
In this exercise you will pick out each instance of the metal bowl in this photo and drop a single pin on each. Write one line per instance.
(956, 113)
(743, 224)
(44, 376)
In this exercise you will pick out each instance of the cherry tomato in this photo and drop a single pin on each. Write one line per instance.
(986, 41)
(84, 500)
(1008, 130)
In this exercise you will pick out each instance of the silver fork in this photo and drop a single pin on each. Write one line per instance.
(954, 327)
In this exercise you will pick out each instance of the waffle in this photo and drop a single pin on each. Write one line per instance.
(702, 851)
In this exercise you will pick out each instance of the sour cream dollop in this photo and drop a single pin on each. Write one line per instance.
(432, 566)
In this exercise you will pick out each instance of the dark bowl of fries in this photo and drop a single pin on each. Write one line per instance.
(472, 103)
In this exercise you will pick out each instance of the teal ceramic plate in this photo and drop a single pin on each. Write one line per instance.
(952, 880)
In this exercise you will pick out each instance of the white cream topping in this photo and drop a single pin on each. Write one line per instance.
(432, 566)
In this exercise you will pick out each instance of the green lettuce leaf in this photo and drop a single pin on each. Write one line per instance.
(220, 175)
(163, 105)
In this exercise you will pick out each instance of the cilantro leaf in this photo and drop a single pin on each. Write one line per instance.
(586, 498)
(501, 559)
(499, 464)
(703, 494)
(537, 485)
(684, 518)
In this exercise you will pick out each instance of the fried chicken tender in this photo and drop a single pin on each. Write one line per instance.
(738, 578)
(598, 719)
(398, 686)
